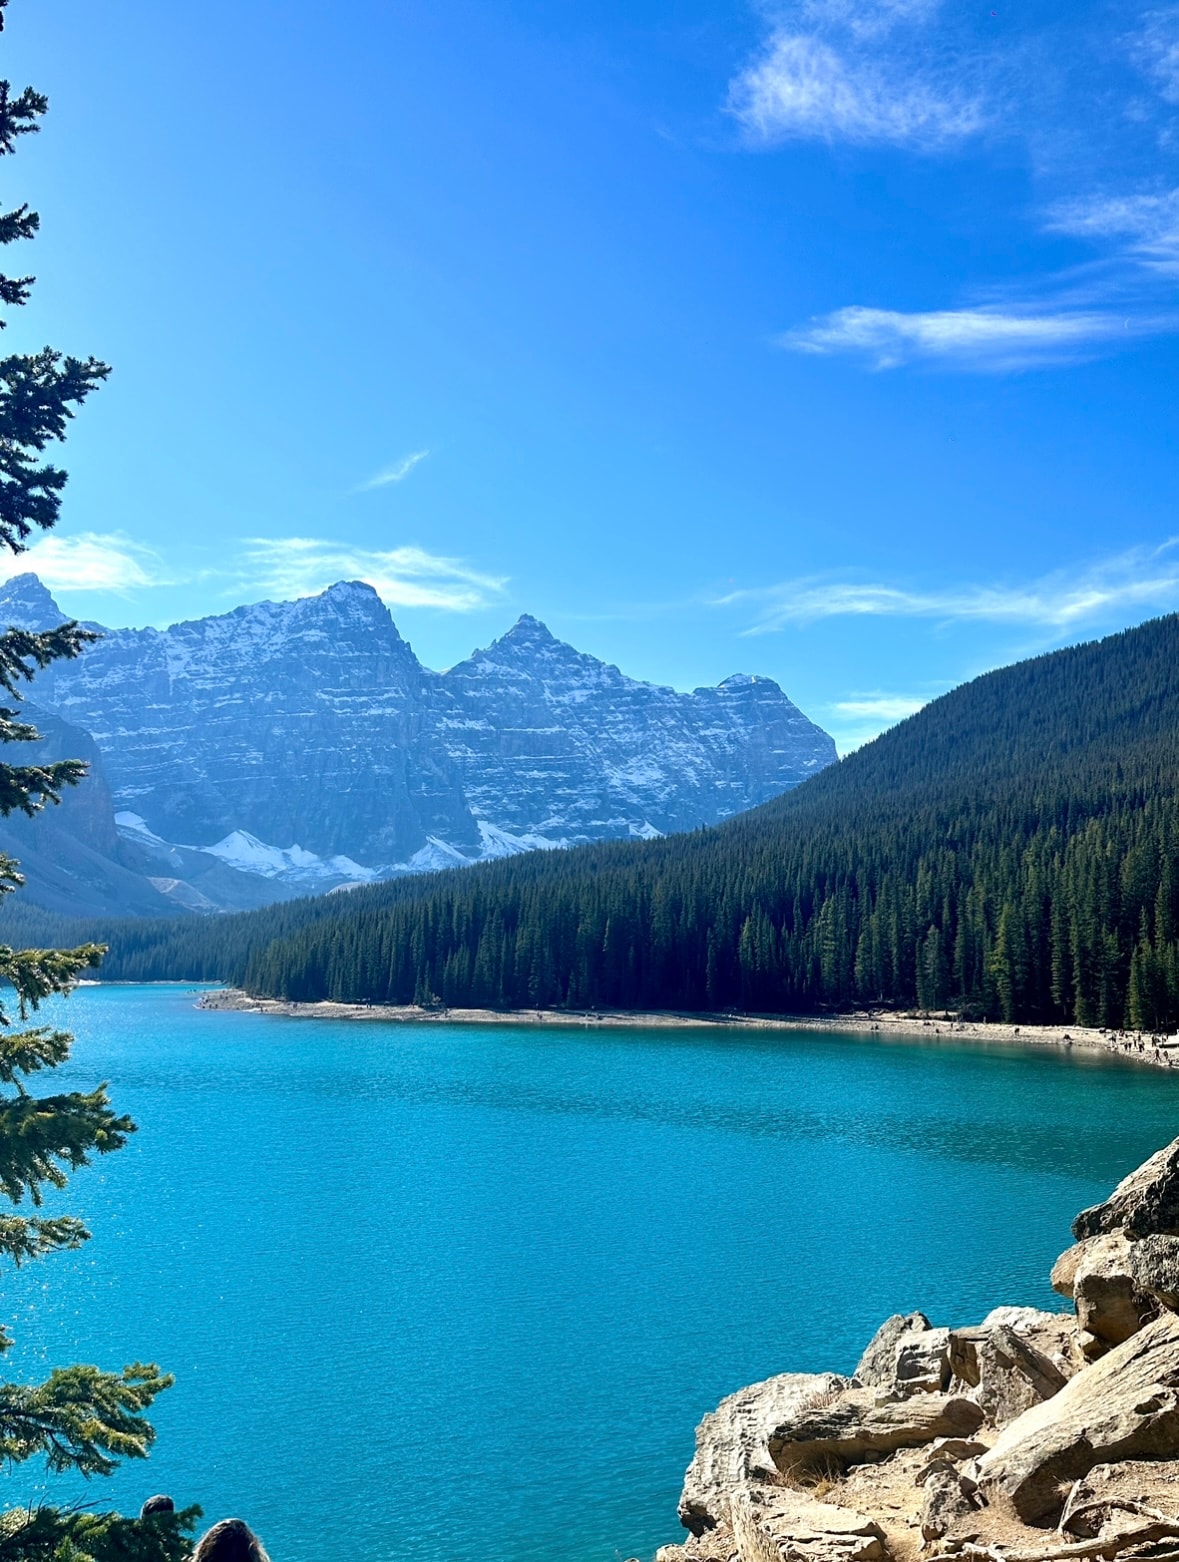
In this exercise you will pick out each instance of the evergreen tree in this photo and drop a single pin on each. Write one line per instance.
(80, 1419)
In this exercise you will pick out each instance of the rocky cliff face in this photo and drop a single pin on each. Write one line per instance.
(304, 744)
(1033, 1437)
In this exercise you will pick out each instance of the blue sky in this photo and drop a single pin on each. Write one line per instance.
(835, 341)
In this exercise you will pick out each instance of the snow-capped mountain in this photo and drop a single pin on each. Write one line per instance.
(302, 746)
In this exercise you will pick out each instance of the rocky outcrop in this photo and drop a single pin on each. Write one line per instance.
(732, 1443)
(1125, 1406)
(1154, 1269)
(1006, 1369)
(973, 1443)
(1144, 1204)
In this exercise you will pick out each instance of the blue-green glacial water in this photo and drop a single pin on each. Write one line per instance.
(444, 1294)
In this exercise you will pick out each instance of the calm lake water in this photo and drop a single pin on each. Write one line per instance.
(451, 1293)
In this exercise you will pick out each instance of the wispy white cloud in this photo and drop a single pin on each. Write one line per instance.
(1148, 224)
(1092, 99)
(1060, 603)
(88, 561)
(397, 473)
(979, 339)
(854, 721)
(403, 577)
(881, 707)
(804, 85)
(1154, 46)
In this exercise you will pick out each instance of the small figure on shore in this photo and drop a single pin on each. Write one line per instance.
(230, 1541)
(157, 1504)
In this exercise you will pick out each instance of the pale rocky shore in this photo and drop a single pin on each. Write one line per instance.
(1032, 1437)
(1156, 1050)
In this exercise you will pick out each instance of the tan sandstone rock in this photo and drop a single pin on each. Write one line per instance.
(853, 1427)
(732, 1442)
(1005, 1372)
(1146, 1203)
(923, 1362)
(779, 1525)
(1154, 1269)
(791, 1526)
(1125, 1406)
(1108, 1303)
(878, 1365)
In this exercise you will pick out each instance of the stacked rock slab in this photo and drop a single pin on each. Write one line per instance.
(973, 1443)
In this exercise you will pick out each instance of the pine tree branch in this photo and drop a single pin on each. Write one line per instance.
(40, 973)
(80, 1418)
(72, 1535)
(24, 652)
(44, 1138)
(21, 1239)
(19, 115)
(27, 788)
(38, 392)
(19, 223)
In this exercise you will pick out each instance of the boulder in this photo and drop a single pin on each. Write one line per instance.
(1064, 1270)
(877, 1368)
(1154, 1269)
(1007, 1373)
(1144, 1204)
(1125, 1406)
(792, 1526)
(732, 1442)
(853, 1428)
(922, 1362)
(1109, 1305)
(948, 1498)
(1055, 1335)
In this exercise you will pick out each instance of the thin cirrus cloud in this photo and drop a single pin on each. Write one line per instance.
(1147, 225)
(805, 86)
(1060, 603)
(991, 339)
(88, 561)
(397, 473)
(1154, 48)
(402, 577)
(880, 707)
(925, 77)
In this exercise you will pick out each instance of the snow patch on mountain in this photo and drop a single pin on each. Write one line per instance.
(248, 854)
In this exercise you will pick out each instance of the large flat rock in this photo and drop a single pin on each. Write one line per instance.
(1124, 1406)
(852, 1428)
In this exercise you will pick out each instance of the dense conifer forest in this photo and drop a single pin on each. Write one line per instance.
(1009, 852)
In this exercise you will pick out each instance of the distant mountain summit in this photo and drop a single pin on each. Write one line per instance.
(302, 745)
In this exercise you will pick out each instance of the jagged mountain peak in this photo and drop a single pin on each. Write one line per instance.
(26, 602)
(529, 631)
(350, 591)
(302, 744)
(736, 682)
(529, 624)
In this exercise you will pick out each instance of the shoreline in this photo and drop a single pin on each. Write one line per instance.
(1152, 1050)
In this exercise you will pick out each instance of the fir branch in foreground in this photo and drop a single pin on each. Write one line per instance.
(80, 1418)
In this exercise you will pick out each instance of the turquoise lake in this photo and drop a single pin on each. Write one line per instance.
(446, 1293)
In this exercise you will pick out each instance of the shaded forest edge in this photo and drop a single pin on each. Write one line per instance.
(1009, 853)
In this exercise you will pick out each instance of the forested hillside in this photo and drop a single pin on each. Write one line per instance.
(1009, 851)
